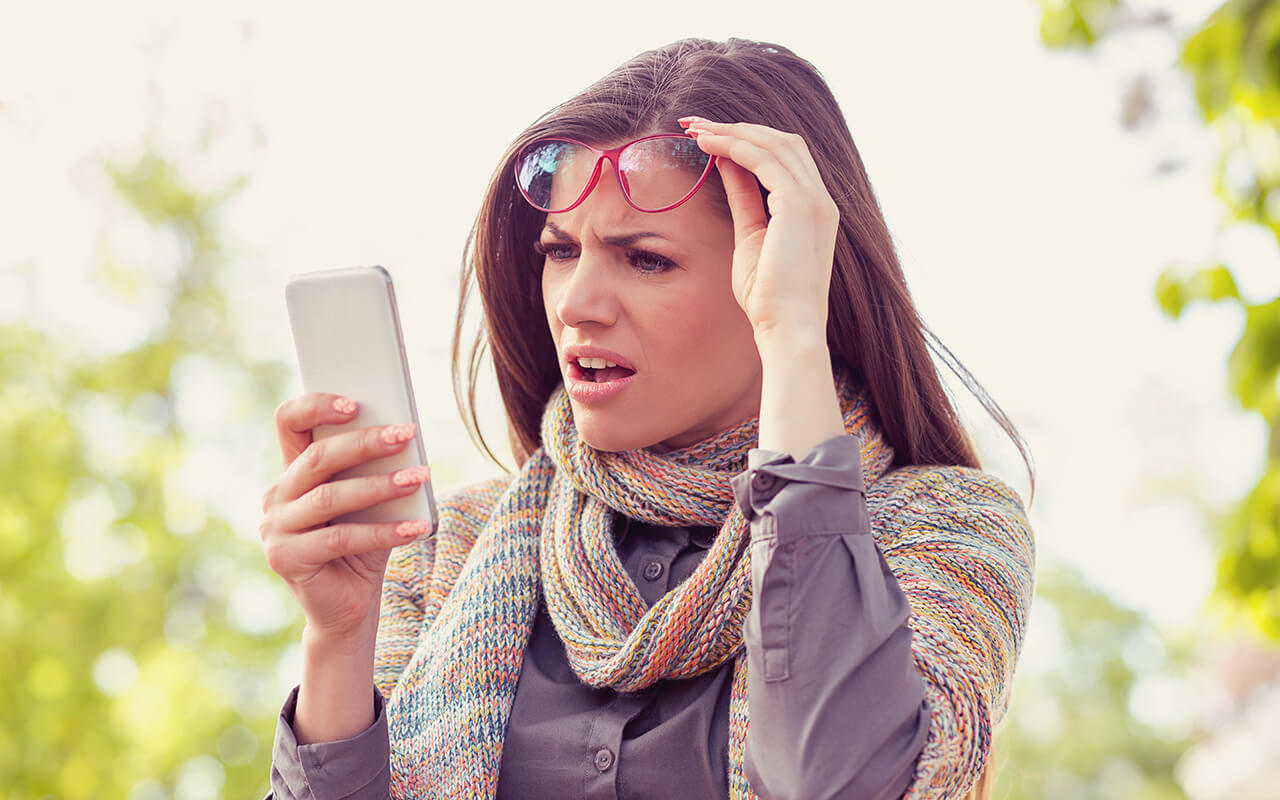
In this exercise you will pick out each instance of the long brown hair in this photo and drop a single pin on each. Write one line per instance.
(873, 329)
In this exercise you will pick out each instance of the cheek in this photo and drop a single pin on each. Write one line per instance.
(550, 295)
(703, 331)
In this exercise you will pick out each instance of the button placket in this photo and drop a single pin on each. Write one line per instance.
(651, 562)
(603, 744)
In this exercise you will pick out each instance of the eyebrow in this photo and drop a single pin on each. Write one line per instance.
(613, 241)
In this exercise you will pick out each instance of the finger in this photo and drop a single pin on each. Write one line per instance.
(760, 162)
(335, 498)
(786, 196)
(299, 555)
(325, 458)
(790, 149)
(746, 206)
(296, 418)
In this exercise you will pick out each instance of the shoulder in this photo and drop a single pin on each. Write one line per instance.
(957, 509)
(428, 565)
(463, 514)
(959, 544)
(421, 573)
(472, 504)
(937, 488)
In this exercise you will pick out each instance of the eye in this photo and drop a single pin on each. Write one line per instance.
(650, 263)
(555, 251)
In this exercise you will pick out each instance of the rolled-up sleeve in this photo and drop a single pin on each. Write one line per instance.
(837, 707)
(358, 768)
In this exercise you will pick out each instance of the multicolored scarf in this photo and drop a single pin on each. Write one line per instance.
(551, 532)
(457, 609)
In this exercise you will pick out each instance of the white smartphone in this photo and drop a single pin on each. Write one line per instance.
(346, 330)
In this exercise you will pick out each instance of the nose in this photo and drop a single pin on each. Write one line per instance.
(586, 293)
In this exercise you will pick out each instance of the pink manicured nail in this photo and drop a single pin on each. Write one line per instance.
(687, 120)
(413, 528)
(344, 405)
(411, 476)
(395, 434)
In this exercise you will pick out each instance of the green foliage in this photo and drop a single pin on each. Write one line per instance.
(1255, 361)
(122, 667)
(1075, 24)
(1070, 732)
(1209, 284)
(1233, 63)
(1212, 56)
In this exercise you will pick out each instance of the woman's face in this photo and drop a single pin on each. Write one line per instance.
(651, 294)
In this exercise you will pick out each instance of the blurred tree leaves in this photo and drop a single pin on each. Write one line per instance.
(141, 634)
(1075, 24)
(1103, 720)
(1232, 61)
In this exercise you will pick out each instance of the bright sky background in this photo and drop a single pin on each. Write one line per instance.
(1031, 227)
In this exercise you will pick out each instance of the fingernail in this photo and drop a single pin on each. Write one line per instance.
(344, 405)
(687, 120)
(395, 434)
(411, 475)
(412, 528)
(700, 132)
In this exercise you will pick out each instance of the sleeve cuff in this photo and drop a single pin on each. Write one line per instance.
(358, 767)
(777, 494)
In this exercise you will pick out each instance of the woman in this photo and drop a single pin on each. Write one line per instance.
(748, 551)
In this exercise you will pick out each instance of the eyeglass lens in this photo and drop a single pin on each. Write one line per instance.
(655, 173)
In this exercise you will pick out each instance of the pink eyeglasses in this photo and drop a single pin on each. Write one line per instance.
(656, 173)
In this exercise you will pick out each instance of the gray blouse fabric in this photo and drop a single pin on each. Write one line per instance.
(604, 744)
(836, 705)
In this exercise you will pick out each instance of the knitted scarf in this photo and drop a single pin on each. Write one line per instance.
(551, 533)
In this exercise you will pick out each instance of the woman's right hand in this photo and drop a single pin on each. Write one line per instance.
(334, 570)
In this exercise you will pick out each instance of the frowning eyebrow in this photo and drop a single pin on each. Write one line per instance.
(613, 241)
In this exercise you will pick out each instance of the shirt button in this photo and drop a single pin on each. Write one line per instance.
(762, 481)
(653, 570)
(604, 759)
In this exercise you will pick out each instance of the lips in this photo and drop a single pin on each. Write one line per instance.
(594, 374)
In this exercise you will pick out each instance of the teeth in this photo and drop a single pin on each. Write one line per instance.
(594, 363)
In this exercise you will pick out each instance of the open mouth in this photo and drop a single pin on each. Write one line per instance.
(597, 370)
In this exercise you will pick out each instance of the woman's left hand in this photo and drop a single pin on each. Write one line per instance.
(781, 263)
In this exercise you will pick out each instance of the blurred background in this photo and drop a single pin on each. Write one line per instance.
(1085, 195)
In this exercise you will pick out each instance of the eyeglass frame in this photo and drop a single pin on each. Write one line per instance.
(612, 155)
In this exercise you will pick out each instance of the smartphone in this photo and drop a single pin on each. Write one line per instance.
(346, 331)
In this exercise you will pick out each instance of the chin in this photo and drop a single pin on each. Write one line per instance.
(611, 441)
(604, 434)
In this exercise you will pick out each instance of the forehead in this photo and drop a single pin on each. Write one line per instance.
(606, 216)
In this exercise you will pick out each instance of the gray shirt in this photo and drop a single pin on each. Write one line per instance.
(835, 702)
